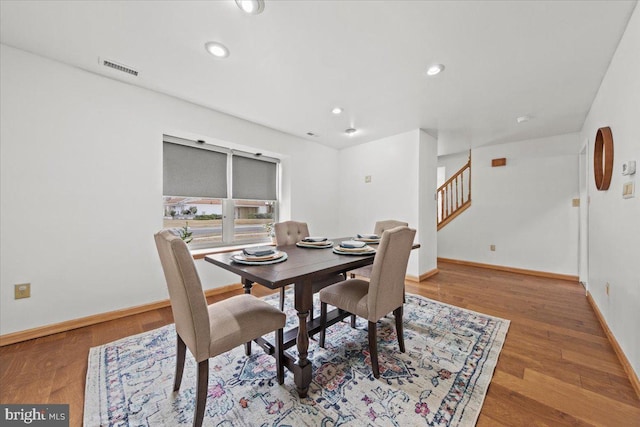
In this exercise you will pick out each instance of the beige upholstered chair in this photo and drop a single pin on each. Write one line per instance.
(290, 232)
(211, 330)
(383, 294)
(381, 227)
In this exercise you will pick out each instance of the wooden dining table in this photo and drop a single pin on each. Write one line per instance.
(302, 268)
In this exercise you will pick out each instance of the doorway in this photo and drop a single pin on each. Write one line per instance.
(583, 232)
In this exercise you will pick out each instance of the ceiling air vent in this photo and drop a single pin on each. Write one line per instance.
(119, 67)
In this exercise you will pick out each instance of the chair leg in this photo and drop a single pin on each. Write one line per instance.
(373, 349)
(201, 392)
(279, 354)
(282, 298)
(323, 323)
(399, 329)
(353, 321)
(181, 350)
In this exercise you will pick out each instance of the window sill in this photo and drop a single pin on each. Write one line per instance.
(201, 253)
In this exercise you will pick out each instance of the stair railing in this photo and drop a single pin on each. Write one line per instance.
(454, 196)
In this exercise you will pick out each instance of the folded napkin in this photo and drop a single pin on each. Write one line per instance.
(368, 236)
(314, 239)
(352, 244)
(259, 251)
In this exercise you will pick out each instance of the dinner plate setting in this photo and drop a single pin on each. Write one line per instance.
(315, 242)
(354, 247)
(259, 256)
(368, 238)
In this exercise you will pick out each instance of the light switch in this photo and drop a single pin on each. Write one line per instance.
(628, 190)
(22, 290)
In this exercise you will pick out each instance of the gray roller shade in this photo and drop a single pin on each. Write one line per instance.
(254, 179)
(194, 172)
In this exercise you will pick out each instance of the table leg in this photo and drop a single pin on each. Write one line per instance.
(302, 367)
(247, 284)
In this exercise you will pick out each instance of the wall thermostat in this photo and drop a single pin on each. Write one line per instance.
(629, 168)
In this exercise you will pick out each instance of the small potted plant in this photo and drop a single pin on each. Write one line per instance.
(185, 234)
(270, 231)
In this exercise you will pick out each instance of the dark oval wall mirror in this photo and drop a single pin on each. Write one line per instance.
(603, 158)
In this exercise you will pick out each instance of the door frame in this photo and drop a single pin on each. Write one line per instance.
(583, 223)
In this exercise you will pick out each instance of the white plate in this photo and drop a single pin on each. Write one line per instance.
(364, 239)
(337, 250)
(324, 245)
(353, 243)
(368, 236)
(315, 239)
(241, 259)
(245, 257)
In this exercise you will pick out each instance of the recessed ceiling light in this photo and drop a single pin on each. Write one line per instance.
(337, 110)
(253, 7)
(435, 69)
(217, 49)
(350, 131)
(523, 119)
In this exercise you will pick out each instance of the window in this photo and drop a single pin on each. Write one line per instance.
(221, 196)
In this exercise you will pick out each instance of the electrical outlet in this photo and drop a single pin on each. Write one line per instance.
(606, 288)
(367, 179)
(22, 290)
(492, 248)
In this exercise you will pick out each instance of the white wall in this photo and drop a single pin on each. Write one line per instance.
(393, 193)
(524, 208)
(614, 222)
(453, 162)
(74, 145)
(427, 228)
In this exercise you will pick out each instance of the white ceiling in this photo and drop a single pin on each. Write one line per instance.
(291, 64)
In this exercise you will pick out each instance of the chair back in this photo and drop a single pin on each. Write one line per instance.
(188, 302)
(386, 286)
(382, 226)
(290, 232)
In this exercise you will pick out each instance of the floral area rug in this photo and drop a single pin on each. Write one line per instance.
(440, 380)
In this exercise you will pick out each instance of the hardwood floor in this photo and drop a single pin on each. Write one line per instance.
(556, 368)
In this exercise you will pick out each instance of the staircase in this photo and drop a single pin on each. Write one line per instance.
(454, 196)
